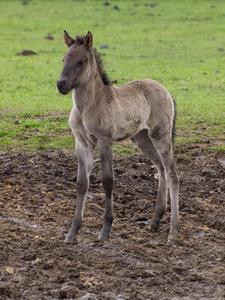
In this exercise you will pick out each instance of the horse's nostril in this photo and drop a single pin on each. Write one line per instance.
(61, 84)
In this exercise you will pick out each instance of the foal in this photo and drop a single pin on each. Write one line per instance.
(102, 114)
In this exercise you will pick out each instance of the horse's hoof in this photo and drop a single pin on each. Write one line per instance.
(172, 241)
(70, 240)
(153, 228)
(102, 237)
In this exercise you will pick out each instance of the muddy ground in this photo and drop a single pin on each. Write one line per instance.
(37, 194)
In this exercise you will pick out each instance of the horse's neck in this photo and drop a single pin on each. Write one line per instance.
(80, 99)
(85, 96)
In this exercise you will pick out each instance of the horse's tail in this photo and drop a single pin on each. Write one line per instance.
(174, 120)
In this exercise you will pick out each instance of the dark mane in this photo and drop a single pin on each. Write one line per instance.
(101, 70)
(80, 41)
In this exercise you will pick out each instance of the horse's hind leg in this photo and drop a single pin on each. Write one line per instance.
(85, 160)
(146, 146)
(164, 148)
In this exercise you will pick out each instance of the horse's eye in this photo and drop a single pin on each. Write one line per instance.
(80, 63)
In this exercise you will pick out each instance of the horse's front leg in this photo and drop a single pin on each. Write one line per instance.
(85, 161)
(106, 158)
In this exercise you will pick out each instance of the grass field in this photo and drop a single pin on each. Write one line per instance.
(178, 43)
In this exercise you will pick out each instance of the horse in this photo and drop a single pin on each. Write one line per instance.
(103, 114)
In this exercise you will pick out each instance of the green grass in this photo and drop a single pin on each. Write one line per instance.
(178, 43)
(36, 132)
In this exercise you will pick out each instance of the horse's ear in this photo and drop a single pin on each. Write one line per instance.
(67, 39)
(89, 40)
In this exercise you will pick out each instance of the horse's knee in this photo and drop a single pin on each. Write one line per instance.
(107, 182)
(82, 187)
(172, 174)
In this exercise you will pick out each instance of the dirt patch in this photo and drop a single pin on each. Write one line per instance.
(26, 53)
(37, 193)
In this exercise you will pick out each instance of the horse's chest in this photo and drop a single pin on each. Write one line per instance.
(80, 128)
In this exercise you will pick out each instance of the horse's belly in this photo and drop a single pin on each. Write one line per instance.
(128, 129)
(131, 119)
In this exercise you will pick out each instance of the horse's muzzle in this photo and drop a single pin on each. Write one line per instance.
(62, 86)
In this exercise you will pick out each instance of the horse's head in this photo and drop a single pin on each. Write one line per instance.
(77, 60)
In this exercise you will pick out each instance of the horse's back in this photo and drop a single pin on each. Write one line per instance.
(147, 96)
(141, 104)
(151, 89)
